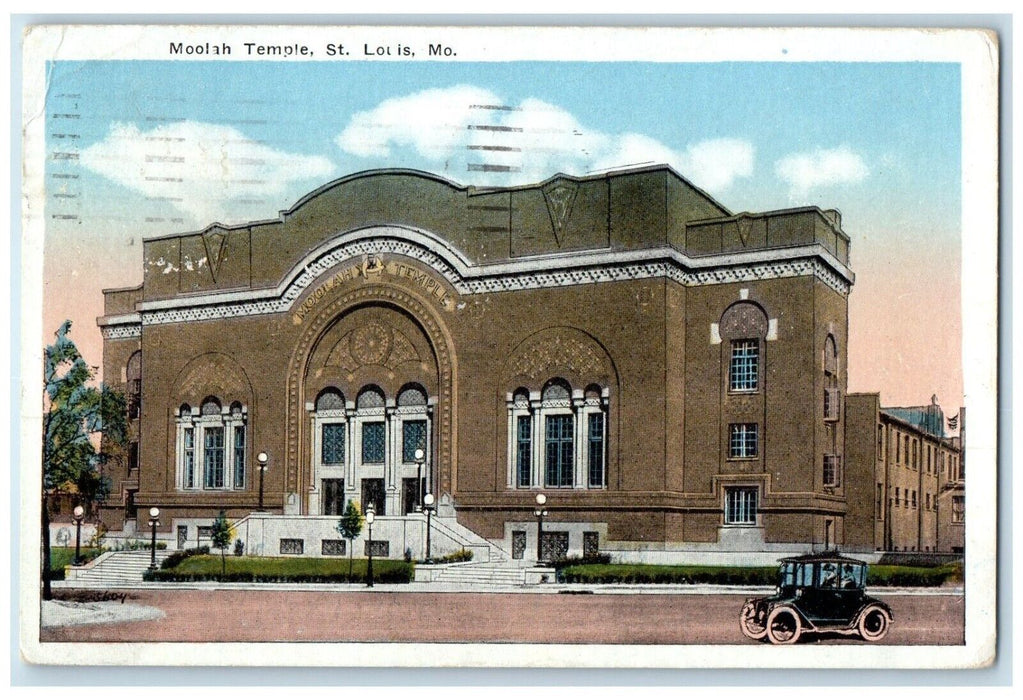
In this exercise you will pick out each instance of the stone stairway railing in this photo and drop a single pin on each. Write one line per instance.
(483, 551)
(113, 569)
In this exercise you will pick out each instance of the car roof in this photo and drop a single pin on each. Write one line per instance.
(827, 556)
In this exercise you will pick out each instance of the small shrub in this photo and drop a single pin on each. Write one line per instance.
(177, 557)
(408, 554)
(577, 561)
(239, 548)
(454, 557)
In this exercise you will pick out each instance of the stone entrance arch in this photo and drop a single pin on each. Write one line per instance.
(311, 348)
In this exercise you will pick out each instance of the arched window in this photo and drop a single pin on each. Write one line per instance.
(330, 440)
(211, 446)
(557, 436)
(133, 376)
(745, 326)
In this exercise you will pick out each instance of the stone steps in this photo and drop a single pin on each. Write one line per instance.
(114, 568)
(481, 575)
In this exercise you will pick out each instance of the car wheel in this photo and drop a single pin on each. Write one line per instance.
(784, 626)
(873, 623)
(749, 624)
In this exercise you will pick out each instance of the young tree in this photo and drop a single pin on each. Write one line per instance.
(223, 535)
(350, 525)
(75, 416)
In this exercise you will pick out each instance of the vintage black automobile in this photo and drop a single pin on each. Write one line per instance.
(822, 592)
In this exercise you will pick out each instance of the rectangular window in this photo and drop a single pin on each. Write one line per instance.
(878, 512)
(596, 451)
(213, 457)
(880, 442)
(898, 448)
(559, 450)
(373, 494)
(372, 443)
(523, 450)
(188, 467)
(332, 443)
(745, 366)
(832, 471)
(958, 509)
(832, 400)
(239, 456)
(927, 501)
(413, 437)
(897, 495)
(743, 441)
(741, 506)
(914, 498)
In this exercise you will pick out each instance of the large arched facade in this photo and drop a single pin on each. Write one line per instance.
(657, 376)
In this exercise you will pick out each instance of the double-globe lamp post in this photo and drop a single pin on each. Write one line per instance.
(263, 459)
(370, 517)
(154, 520)
(429, 507)
(420, 458)
(540, 513)
(79, 515)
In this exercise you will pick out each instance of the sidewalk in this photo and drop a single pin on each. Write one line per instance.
(545, 589)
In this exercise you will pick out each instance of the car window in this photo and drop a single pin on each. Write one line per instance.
(788, 575)
(804, 575)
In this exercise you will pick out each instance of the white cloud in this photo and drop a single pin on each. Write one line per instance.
(211, 171)
(474, 136)
(821, 167)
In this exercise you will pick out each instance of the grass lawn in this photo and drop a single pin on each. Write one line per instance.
(63, 556)
(203, 567)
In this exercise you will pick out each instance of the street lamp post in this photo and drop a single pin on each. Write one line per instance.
(420, 458)
(79, 515)
(262, 459)
(540, 512)
(154, 520)
(370, 517)
(428, 506)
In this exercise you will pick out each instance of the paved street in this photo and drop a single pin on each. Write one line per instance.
(390, 616)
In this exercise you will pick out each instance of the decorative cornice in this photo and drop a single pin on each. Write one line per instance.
(121, 332)
(538, 272)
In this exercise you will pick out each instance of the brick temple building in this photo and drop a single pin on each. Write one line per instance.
(670, 374)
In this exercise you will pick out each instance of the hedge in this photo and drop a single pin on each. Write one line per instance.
(878, 576)
(199, 566)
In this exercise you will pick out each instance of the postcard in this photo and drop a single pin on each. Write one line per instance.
(578, 347)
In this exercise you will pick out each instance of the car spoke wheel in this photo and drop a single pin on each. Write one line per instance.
(751, 627)
(874, 623)
(784, 626)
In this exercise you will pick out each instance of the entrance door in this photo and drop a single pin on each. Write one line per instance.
(410, 494)
(182, 536)
(333, 498)
(373, 492)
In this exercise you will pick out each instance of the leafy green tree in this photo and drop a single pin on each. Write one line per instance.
(83, 427)
(350, 525)
(223, 535)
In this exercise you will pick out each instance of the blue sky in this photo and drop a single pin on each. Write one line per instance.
(166, 146)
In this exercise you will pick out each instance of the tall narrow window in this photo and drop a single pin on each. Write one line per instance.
(524, 446)
(743, 441)
(213, 457)
(332, 443)
(413, 437)
(596, 450)
(559, 450)
(189, 459)
(832, 471)
(239, 456)
(373, 443)
(744, 372)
